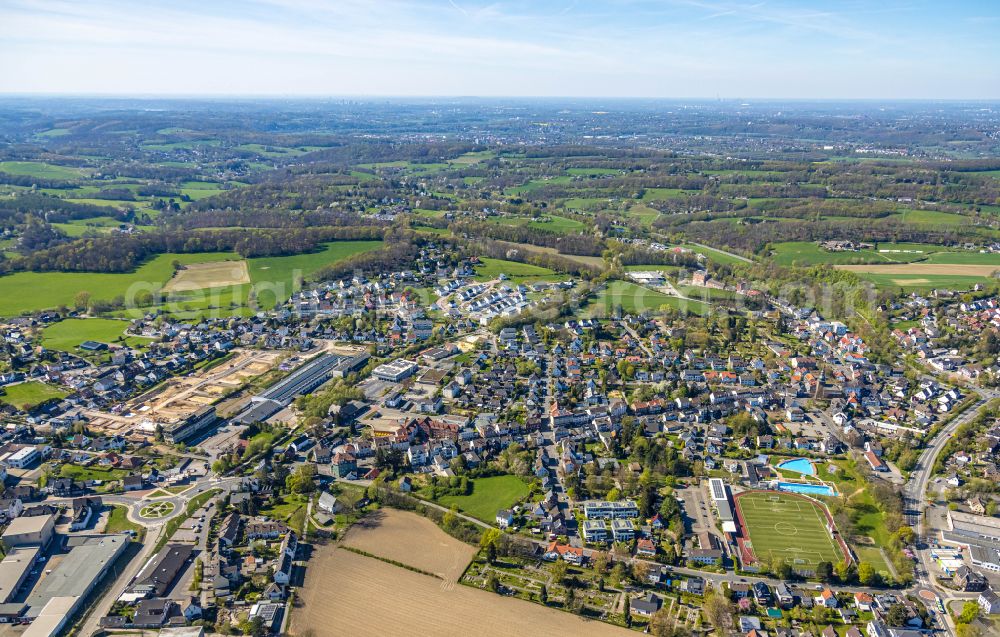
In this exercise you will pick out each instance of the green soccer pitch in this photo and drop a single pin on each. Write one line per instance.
(787, 526)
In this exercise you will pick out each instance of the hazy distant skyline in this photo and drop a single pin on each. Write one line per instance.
(891, 49)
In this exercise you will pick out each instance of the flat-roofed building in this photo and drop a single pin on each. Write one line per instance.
(29, 531)
(14, 570)
(23, 458)
(975, 527)
(75, 576)
(396, 370)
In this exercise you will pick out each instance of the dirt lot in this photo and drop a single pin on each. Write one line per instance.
(350, 594)
(924, 268)
(390, 534)
(199, 276)
(181, 396)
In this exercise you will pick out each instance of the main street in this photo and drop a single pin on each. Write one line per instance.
(916, 503)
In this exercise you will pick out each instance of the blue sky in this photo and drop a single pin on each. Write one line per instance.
(624, 48)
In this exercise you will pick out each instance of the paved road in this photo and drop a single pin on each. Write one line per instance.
(916, 503)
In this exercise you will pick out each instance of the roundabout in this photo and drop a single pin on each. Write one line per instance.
(156, 510)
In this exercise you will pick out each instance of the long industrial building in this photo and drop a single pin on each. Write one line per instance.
(192, 426)
(61, 593)
(981, 534)
(302, 381)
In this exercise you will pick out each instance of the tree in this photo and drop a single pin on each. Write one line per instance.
(970, 611)
(543, 595)
(257, 628)
(717, 610)
(81, 300)
(301, 480)
(866, 573)
(824, 571)
(618, 574)
(968, 630)
(559, 570)
(781, 569)
(628, 611)
(492, 583)
(600, 561)
(897, 615)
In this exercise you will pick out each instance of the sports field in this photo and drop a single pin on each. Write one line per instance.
(787, 526)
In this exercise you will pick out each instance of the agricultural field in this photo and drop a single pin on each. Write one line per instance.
(66, 335)
(787, 526)
(386, 533)
(32, 291)
(809, 253)
(30, 394)
(636, 299)
(281, 273)
(215, 274)
(923, 282)
(40, 170)
(492, 268)
(274, 278)
(919, 269)
(342, 588)
(488, 496)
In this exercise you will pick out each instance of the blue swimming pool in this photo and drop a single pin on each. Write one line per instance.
(799, 465)
(807, 489)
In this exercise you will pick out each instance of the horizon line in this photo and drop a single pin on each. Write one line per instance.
(428, 96)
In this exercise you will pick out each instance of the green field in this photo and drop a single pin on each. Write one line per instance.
(30, 394)
(118, 522)
(782, 525)
(488, 496)
(873, 555)
(561, 225)
(32, 291)
(809, 253)
(40, 169)
(636, 299)
(714, 255)
(918, 282)
(105, 474)
(492, 268)
(273, 278)
(68, 334)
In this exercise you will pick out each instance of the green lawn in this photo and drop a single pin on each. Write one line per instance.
(964, 257)
(713, 255)
(40, 169)
(918, 282)
(33, 291)
(489, 495)
(560, 225)
(68, 334)
(273, 277)
(809, 253)
(91, 473)
(118, 522)
(492, 268)
(635, 299)
(30, 394)
(873, 555)
(787, 526)
(290, 504)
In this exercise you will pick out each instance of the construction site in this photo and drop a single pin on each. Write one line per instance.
(180, 398)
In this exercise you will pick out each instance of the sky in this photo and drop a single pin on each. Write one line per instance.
(877, 49)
